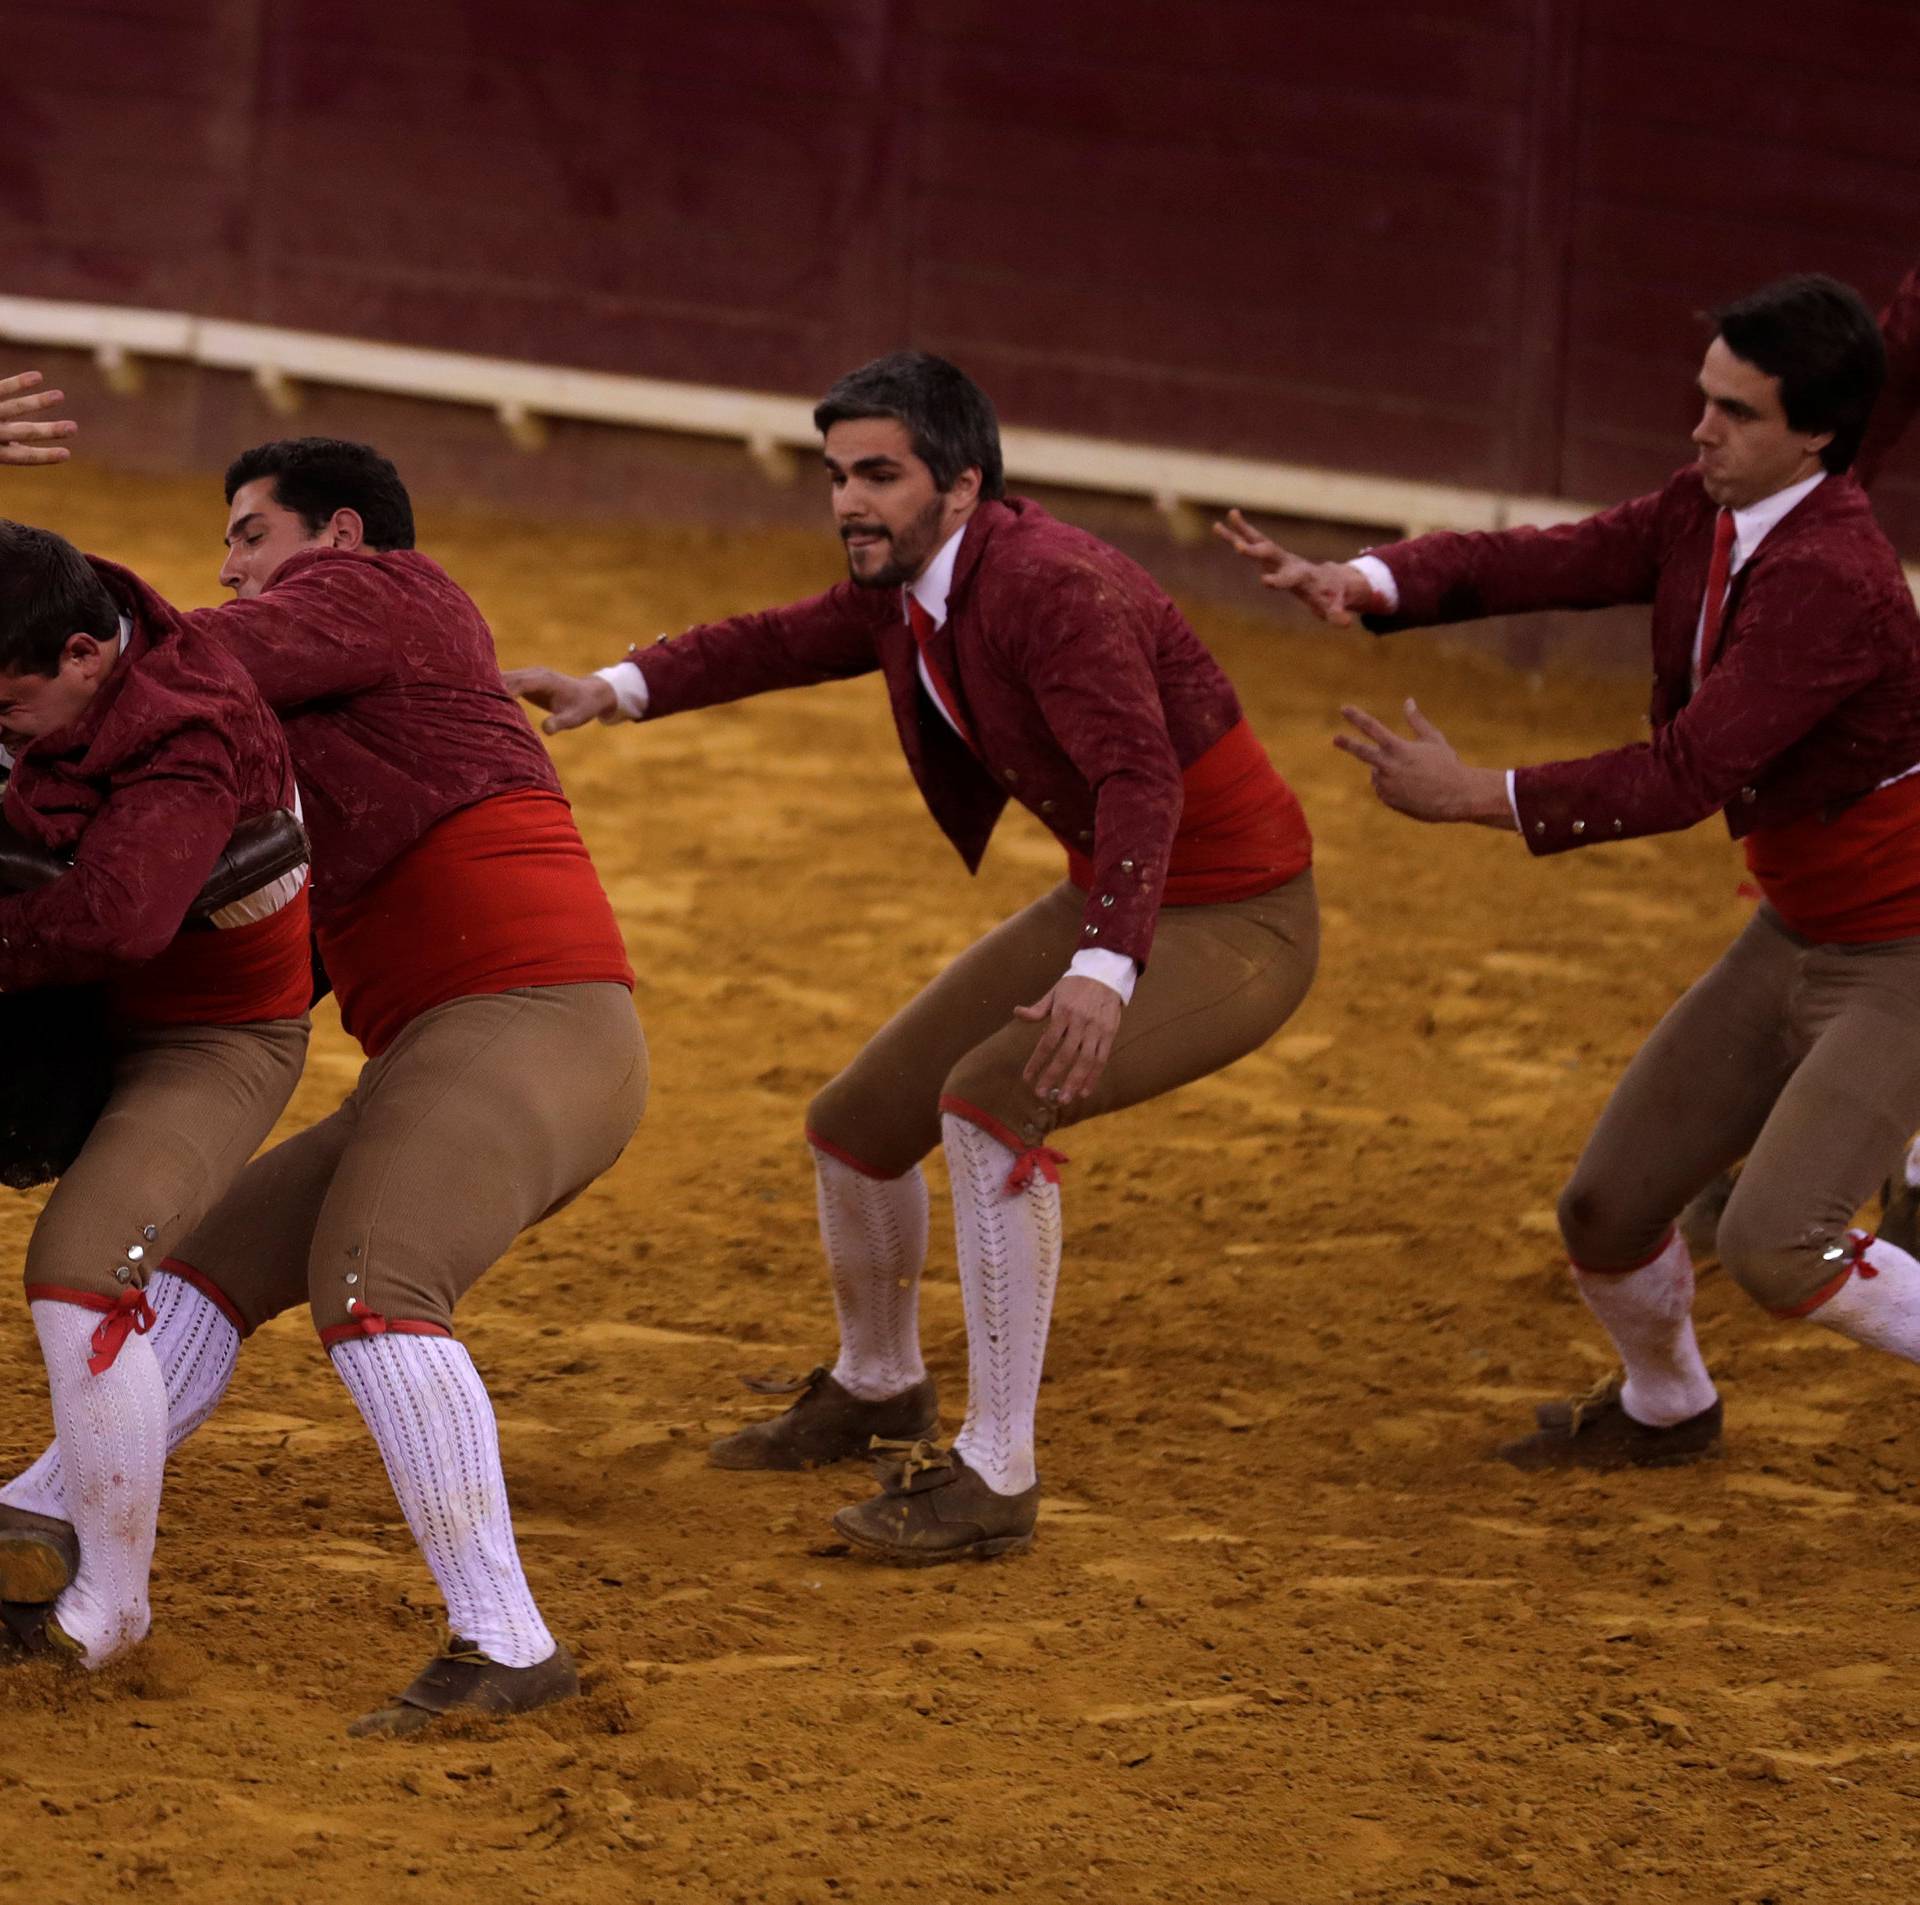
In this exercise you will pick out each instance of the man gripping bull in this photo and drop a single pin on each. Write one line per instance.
(478, 963)
(139, 744)
(1023, 659)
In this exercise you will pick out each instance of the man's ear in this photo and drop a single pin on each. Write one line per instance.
(83, 651)
(965, 489)
(346, 530)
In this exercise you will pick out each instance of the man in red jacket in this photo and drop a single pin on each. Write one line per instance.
(139, 745)
(1786, 655)
(1023, 659)
(478, 963)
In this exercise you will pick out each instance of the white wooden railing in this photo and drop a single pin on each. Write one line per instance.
(777, 432)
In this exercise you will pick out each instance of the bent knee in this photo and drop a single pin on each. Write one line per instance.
(1605, 1231)
(1778, 1261)
(863, 1129)
(988, 1085)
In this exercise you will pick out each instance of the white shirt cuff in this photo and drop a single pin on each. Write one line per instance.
(629, 687)
(1380, 581)
(1513, 804)
(1115, 970)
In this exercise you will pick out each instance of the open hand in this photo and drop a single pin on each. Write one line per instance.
(571, 701)
(1332, 590)
(1082, 1016)
(25, 437)
(1420, 775)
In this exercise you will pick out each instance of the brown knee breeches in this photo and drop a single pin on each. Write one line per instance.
(190, 1105)
(1803, 1059)
(485, 1115)
(1221, 982)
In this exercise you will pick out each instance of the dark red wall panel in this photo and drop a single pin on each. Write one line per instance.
(1454, 239)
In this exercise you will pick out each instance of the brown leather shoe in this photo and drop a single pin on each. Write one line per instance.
(933, 1507)
(28, 1631)
(1594, 1432)
(464, 1680)
(826, 1424)
(39, 1555)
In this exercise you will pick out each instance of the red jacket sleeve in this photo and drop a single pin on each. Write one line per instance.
(1086, 655)
(828, 637)
(1808, 643)
(1603, 561)
(325, 630)
(138, 866)
(1900, 397)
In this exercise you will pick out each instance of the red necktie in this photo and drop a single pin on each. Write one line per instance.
(922, 625)
(1717, 572)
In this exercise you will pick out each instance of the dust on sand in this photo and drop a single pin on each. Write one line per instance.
(1287, 1634)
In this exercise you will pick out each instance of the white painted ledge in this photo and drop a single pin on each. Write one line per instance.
(775, 431)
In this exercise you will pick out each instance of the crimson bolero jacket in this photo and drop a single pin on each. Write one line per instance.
(142, 792)
(382, 670)
(1813, 702)
(1084, 689)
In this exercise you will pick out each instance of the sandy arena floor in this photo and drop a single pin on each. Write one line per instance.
(1288, 1634)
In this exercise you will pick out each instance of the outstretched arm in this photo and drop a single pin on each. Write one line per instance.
(26, 436)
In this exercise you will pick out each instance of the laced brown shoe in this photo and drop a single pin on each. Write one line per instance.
(463, 1680)
(28, 1631)
(39, 1555)
(933, 1507)
(1594, 1432)
(825, 1424)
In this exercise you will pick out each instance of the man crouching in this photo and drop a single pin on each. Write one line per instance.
(139, 748)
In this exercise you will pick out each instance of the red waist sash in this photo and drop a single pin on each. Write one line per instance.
(497, 896)
(1241, 828)
(1853, 880)
(232, 976)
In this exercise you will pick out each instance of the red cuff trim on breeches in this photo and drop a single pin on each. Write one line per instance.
(847, 1158)
(366, 1323)
(1028, 1159)
(128, 1314)
(173, 1267)
(1858, 1240)
(1622, 1269)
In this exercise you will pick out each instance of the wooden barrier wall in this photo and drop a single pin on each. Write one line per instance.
(1461, 240)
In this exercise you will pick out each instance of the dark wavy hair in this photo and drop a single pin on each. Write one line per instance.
(1819, 339)
(314, 476)
(948, 416)
(48, 591)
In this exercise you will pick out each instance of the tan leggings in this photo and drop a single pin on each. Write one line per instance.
(1221, 982)
(190, 1105)
(484, 1116)
(1803, 1059)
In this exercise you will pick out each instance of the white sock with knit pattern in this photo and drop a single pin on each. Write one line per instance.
(432, 1421)
(1009, 1248)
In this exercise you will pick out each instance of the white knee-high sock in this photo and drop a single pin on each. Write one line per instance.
(875, 1233)
(195, 1347)
(112, 1430)
(1649, 1314)
(1009, 1248)
(1879, 1304)
(432, 1421)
